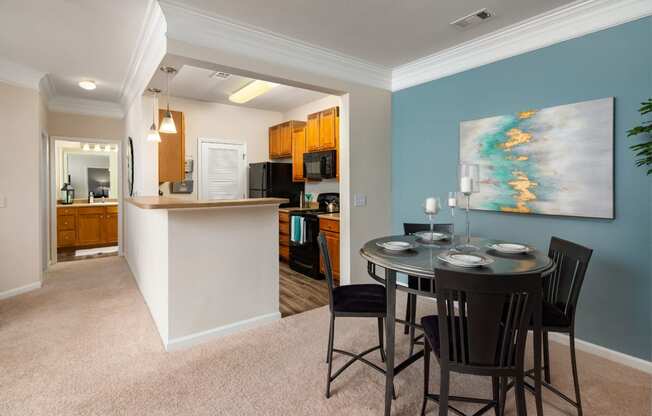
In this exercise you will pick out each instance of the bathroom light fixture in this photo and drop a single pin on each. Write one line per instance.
(251, 91)
(167, 124)
(87, 84)
(107, 148)
(152, 135)
(97, 148)
(86, 147)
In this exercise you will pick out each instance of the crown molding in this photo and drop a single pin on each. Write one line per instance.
(567, 22)
(147, 55)
(216, 32)
(19, 75)
(87, 107)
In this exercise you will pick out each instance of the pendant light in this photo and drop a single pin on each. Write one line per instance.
(152, 135)
(167, 124)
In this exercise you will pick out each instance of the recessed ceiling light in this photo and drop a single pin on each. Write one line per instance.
(87, 85)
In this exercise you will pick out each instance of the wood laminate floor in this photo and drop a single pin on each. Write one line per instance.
(300, 293)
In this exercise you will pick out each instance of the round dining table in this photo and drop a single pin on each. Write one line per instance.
(420, 262)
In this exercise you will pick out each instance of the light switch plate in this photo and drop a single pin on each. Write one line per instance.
(3, 201)
(359, 200)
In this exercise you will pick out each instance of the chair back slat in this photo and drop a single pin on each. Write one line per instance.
(563, 286)
(483, 320)
(328, 267)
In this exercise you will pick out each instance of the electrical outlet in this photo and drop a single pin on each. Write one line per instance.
(359, 200)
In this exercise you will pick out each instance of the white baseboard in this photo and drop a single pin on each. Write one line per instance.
(199, 337)
(611, 355)
(20, 290)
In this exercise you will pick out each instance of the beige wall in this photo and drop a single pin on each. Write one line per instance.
(224, 122)
(20, 239)
(90, 127)
(365, 162)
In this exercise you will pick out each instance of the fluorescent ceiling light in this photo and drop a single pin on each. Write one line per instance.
(87, 85)
(251, 91)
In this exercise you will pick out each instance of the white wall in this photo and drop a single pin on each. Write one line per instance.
(20, 234)
(224, 122)
(301, 113)
(80, 125)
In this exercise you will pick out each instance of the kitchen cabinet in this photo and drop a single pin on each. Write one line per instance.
(298, 149)
(284, 236)
(331, 230)
(87, 226)
(280, 139)
(323, 132)
(172, 150)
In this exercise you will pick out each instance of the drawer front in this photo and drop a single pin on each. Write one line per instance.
(284, 228)
(65, 238)
(329, 225)
(90, 210)
(65, 222)
(112, 209)
(65, 211)
(284, 217)
(284, 252)
(284, 240)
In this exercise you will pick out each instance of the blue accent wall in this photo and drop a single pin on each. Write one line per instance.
(615, 309)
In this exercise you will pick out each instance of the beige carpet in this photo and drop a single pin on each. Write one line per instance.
(86, 345)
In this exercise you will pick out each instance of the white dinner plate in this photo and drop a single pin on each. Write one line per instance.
(396, 245)
(465, 259)
(510, 248)
(428, 236)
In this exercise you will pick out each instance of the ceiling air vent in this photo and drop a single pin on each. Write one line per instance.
(473, 19)
(219, 75)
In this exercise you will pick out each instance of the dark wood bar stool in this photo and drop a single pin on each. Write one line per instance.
(411, 307)
(353, 301)
(560, 295)
(481, 329)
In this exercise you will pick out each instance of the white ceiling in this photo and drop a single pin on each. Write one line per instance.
(384, 32)
(74, 40)
(199, 84)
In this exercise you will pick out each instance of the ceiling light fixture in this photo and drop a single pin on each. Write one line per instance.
(250, 91)
(167, 124)
(152, 135)
(87, 85)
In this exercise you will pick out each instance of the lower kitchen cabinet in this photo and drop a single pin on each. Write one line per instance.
(284, 236)
(331, 229)
(87, 226)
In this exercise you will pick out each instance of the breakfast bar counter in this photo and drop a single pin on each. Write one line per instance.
(204, 268)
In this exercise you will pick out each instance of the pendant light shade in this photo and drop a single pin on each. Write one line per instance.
(152, 134)
(167, 124)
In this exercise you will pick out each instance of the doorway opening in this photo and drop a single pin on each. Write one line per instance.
(85, 178)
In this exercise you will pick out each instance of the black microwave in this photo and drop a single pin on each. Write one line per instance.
(320, 165)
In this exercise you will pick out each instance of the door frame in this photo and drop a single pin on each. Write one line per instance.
(245, 176)
(54, 193)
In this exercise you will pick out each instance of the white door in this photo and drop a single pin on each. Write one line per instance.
(222, 170)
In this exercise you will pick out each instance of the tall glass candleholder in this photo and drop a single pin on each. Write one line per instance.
(431, 207)
(469, 184)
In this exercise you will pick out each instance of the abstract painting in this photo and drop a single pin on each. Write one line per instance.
(554, 161)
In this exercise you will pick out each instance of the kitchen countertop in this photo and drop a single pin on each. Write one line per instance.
(156, 202)
(334, 216)
(86, 204)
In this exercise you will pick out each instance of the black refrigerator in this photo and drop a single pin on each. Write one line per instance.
(269, 179)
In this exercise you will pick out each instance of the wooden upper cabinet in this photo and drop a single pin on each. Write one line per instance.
(280, 139)
(172, 150)
(274, 134)
(285, 140)
(298, 149)
(327, 129)
(312, 133)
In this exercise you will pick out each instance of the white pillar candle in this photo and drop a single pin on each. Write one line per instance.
(431, 205)
(452, 202)
(466, 184)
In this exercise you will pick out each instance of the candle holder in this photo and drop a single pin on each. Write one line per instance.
(469, 184)
(431, 208)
